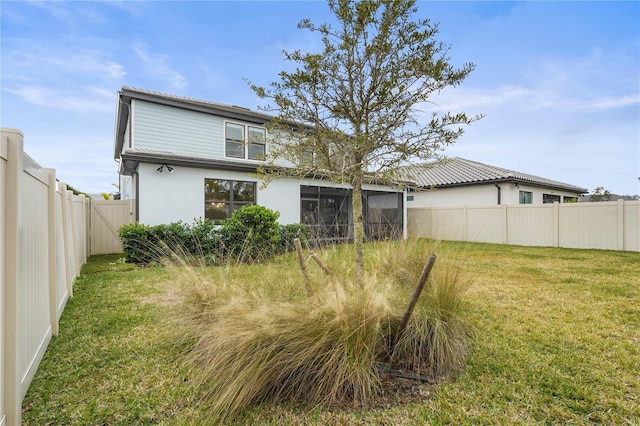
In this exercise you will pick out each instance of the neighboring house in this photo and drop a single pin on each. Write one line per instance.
(458, 182)
(184, 159)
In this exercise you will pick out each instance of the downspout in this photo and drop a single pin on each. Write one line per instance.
(499, 189)
(137, 178)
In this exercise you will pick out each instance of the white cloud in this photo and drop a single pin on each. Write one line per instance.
(88, 100)
(156, 65)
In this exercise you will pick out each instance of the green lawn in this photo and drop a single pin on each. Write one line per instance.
(557, 341)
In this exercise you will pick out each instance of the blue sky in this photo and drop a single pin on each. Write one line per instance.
(559, 82)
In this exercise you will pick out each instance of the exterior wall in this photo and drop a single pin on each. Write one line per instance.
(472, 196)
(170, 197)
(480, 195)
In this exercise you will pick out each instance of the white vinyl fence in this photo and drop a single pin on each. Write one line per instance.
(613, 225)
(107, 216)
(43, 231)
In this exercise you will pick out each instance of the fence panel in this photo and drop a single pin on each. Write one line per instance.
(62, 267)
(43, 232)
(419, 223)
(107, 216)
(608, 225)
(485, 224)
(631, 214)
(448, 224)
(589, 225)
(33, 320)
(530, 225)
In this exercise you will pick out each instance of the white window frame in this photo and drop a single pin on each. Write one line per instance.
(246, 144)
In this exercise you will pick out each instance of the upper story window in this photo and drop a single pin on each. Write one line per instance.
(245, 142)
(525, 197)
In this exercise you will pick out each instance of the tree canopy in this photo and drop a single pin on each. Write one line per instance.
(358, 109)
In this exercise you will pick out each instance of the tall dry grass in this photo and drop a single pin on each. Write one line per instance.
(257, 336)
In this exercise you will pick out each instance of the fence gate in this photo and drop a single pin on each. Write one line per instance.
(107, 216)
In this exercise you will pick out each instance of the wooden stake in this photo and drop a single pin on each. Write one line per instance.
(303, 265)
(320, 263)
(416, 294)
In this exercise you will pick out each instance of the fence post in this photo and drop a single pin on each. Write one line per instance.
(87, 229)
(65, 237)
(3, 163)
(53, 264)
(465, 226)
(620, 227)
(73, 247)
(505, 225)
(556, 224)
(13, 227)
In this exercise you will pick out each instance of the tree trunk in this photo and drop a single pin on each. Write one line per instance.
(358, 228)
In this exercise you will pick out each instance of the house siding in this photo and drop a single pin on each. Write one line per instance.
(182, 132)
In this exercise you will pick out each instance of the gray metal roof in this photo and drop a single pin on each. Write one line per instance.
(460, 172)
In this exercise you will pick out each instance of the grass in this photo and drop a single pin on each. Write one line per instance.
(557, 341)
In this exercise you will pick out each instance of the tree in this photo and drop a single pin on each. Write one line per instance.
(354, 112)
(600, 194)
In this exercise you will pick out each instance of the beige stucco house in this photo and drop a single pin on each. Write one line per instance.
(458, 182)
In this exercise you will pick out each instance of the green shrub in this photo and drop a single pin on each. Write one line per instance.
(251, 234)
(137, 243)
(290, 232)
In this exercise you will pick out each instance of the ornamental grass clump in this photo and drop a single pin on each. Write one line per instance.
(259, 336)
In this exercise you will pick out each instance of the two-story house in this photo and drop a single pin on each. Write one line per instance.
(183, 159)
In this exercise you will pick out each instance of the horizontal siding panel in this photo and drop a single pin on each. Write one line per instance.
(182, 132)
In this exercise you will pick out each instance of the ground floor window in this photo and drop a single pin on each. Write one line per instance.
(327, 213)
(550, 198)
(525, 197)
(223, 197)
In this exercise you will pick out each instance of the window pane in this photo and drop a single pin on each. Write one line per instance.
(235, 132)
(244, 191)
(256, 151)
(234, 136)
(525, 197)
(235, 149)
(257, 135)
(550, 198)
(216, 211)
(238, 206)
(308, 191)
(217, 190)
